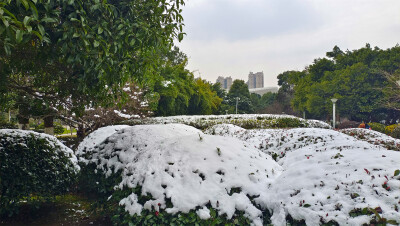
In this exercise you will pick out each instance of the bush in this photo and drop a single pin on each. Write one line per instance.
(33, 166)
(97, 186)
(348, 124)
(7, 125)
(58, 128)
(377, 127)
(396, 132)
(389, 129)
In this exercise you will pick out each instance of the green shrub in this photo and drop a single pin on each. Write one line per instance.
(7, 125)
(58, 128)
(377, 127)
(389, 129)
(100, 188)
(32, 166)
(396, 132)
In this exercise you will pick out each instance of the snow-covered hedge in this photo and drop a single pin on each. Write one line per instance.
(248, 121)
(33, 164)
(327, 176)
(176, 174)
(374, 137)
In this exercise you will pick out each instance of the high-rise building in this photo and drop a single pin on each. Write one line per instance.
(256, 80)
(226, 83)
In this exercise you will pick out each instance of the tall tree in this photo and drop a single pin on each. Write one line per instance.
(74, 54)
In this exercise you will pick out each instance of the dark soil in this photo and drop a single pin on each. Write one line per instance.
(65, 210)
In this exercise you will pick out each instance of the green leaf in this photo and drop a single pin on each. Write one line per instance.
(49, 20)
(180, 36)
(25, 3)
(396, 172)
(99, 30)
(75, 35)
(96, 43)
(392, 222)
(307, 205)
(41, 29)
(18, 35)
(26, 20)
(38, 35)
(5, 22)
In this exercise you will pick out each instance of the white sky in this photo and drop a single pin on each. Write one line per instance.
(234, 37)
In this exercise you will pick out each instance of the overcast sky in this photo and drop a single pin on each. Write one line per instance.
(234, 37)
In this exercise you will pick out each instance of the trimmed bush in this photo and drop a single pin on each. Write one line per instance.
(58, 128)
(396, 132)
(94, 183)
(377, 127)
(389, 129)
(33, 166)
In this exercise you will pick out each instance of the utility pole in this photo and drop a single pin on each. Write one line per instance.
(334, 112)
(237, 100)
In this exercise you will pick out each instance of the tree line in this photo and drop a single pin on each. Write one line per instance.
(365, 82)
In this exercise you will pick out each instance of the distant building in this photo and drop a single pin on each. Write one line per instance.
(264, 90)
(256, 80)
(226, 83)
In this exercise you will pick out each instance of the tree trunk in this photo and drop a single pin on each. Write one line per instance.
(49, 125)
(23, 117)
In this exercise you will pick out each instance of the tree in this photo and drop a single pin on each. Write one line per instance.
(354, 77)
(239, 89)
(81, 53)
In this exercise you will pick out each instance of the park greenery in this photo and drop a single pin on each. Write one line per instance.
(364, 81)
(89, 64)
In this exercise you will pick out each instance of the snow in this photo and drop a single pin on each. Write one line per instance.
(325, 169)
(374, 137)
(191, 168)
(257, 120)
(53, 142)
(96, 137)
(319, 174)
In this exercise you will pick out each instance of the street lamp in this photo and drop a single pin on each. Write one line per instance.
(237, 100)
(334, 111)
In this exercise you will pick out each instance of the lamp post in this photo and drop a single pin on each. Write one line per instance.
(334, 111)
(237, 100)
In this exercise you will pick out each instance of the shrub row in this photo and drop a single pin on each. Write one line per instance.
(32, 166)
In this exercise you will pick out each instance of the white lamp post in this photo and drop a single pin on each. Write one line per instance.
(334, 111)
(237, 100)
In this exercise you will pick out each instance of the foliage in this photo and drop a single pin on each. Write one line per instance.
(58, 128)
(389, 129)
(69, 55)
(239, 92)
(135, 106)
(179, 93)
(32, 166)
(396, 132)
(357, 78)
(377, 127)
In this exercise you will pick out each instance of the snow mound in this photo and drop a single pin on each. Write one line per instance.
(326, 175)
(96, 137)
(192, 169)
(374, 137)
(53, 142)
